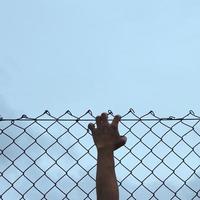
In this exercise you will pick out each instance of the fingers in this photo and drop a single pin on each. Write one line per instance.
(91, 127)
(104, 119)
(98, 121)
(115, 121)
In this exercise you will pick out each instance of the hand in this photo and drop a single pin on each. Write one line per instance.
(106, 136)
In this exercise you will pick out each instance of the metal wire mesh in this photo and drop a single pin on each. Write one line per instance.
(49, 157)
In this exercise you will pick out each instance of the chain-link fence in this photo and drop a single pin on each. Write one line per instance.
(49, 157)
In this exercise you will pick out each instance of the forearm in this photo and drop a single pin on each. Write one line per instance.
(106, 183)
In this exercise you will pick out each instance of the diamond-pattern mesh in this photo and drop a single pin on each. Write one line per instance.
(49, 157)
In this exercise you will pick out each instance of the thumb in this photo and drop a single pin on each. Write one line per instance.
(122, 141)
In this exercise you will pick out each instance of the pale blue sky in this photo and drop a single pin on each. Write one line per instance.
(100, 55)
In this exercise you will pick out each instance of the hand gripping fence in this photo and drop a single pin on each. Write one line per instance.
(55, 158)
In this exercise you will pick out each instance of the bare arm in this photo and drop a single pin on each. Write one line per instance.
(106, 183)
(107, 139)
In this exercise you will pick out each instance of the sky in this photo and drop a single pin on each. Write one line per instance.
(99, 55)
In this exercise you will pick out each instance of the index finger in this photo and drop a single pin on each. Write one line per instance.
(91, 127)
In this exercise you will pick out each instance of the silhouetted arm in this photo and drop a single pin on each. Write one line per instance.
(107, 139)
(106, 183)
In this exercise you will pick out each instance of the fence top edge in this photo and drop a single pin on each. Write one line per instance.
(150, 116)
(139, 119)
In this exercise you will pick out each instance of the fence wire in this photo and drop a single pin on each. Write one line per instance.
(50, 157)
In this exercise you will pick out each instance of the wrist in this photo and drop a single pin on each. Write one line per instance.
(105, 151)
(105, 156)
